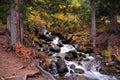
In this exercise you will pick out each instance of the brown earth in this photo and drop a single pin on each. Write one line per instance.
(109, 42)
(15, 67)
(109, 46)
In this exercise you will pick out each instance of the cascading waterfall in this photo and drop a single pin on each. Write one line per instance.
(90, 67)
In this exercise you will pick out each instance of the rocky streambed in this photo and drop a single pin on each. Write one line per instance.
(65, 62)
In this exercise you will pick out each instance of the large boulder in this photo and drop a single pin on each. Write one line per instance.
(71, 55)
(61, 66)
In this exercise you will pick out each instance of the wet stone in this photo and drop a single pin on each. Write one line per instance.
(78, 70)
(61, 67)
(54, 48)
(86, 59)
(82, 55)
(71, 55)
(71, 71)
(79, 63)
(68, 56)
(72, 66)
(74, 53)
(80, 58)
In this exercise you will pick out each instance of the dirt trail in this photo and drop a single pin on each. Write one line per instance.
(14, 67)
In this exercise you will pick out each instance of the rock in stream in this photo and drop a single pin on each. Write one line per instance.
(61, 67)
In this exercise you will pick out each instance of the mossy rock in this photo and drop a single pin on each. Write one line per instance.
(105, 54)
(78, 70)
(72, 66)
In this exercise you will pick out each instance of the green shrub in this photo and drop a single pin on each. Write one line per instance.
(105, 54)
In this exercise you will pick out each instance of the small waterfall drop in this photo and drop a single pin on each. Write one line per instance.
(90, 67)
(87, 64)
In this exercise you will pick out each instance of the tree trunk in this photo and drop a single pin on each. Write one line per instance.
(14, 25)
(113, 17)
(93, 23)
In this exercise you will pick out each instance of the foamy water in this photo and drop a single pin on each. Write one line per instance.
(90, 67)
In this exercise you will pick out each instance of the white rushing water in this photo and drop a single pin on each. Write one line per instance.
(90, 67)
(55, 41)
(46, 32)
(66, 48)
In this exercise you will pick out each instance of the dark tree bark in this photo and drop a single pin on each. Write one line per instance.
(113, 17)
(14, 25)
(93, 23)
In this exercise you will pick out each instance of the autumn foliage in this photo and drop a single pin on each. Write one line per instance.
(21, 49)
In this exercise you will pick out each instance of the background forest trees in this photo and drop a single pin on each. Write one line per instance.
(64, 16)
(93, 23)
(4, 9)
(109, 9)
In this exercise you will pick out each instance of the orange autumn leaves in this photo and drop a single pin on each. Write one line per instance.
(20, 48)
(28, 52)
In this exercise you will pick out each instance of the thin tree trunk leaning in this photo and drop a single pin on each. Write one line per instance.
(93, 23)
(14, 25)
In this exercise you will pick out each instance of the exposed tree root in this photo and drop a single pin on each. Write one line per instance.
(29, 75)
(7, 78)
(24, 77)
(42, 71)
(32, 75)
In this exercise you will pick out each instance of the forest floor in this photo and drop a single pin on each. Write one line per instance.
(14, 67)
